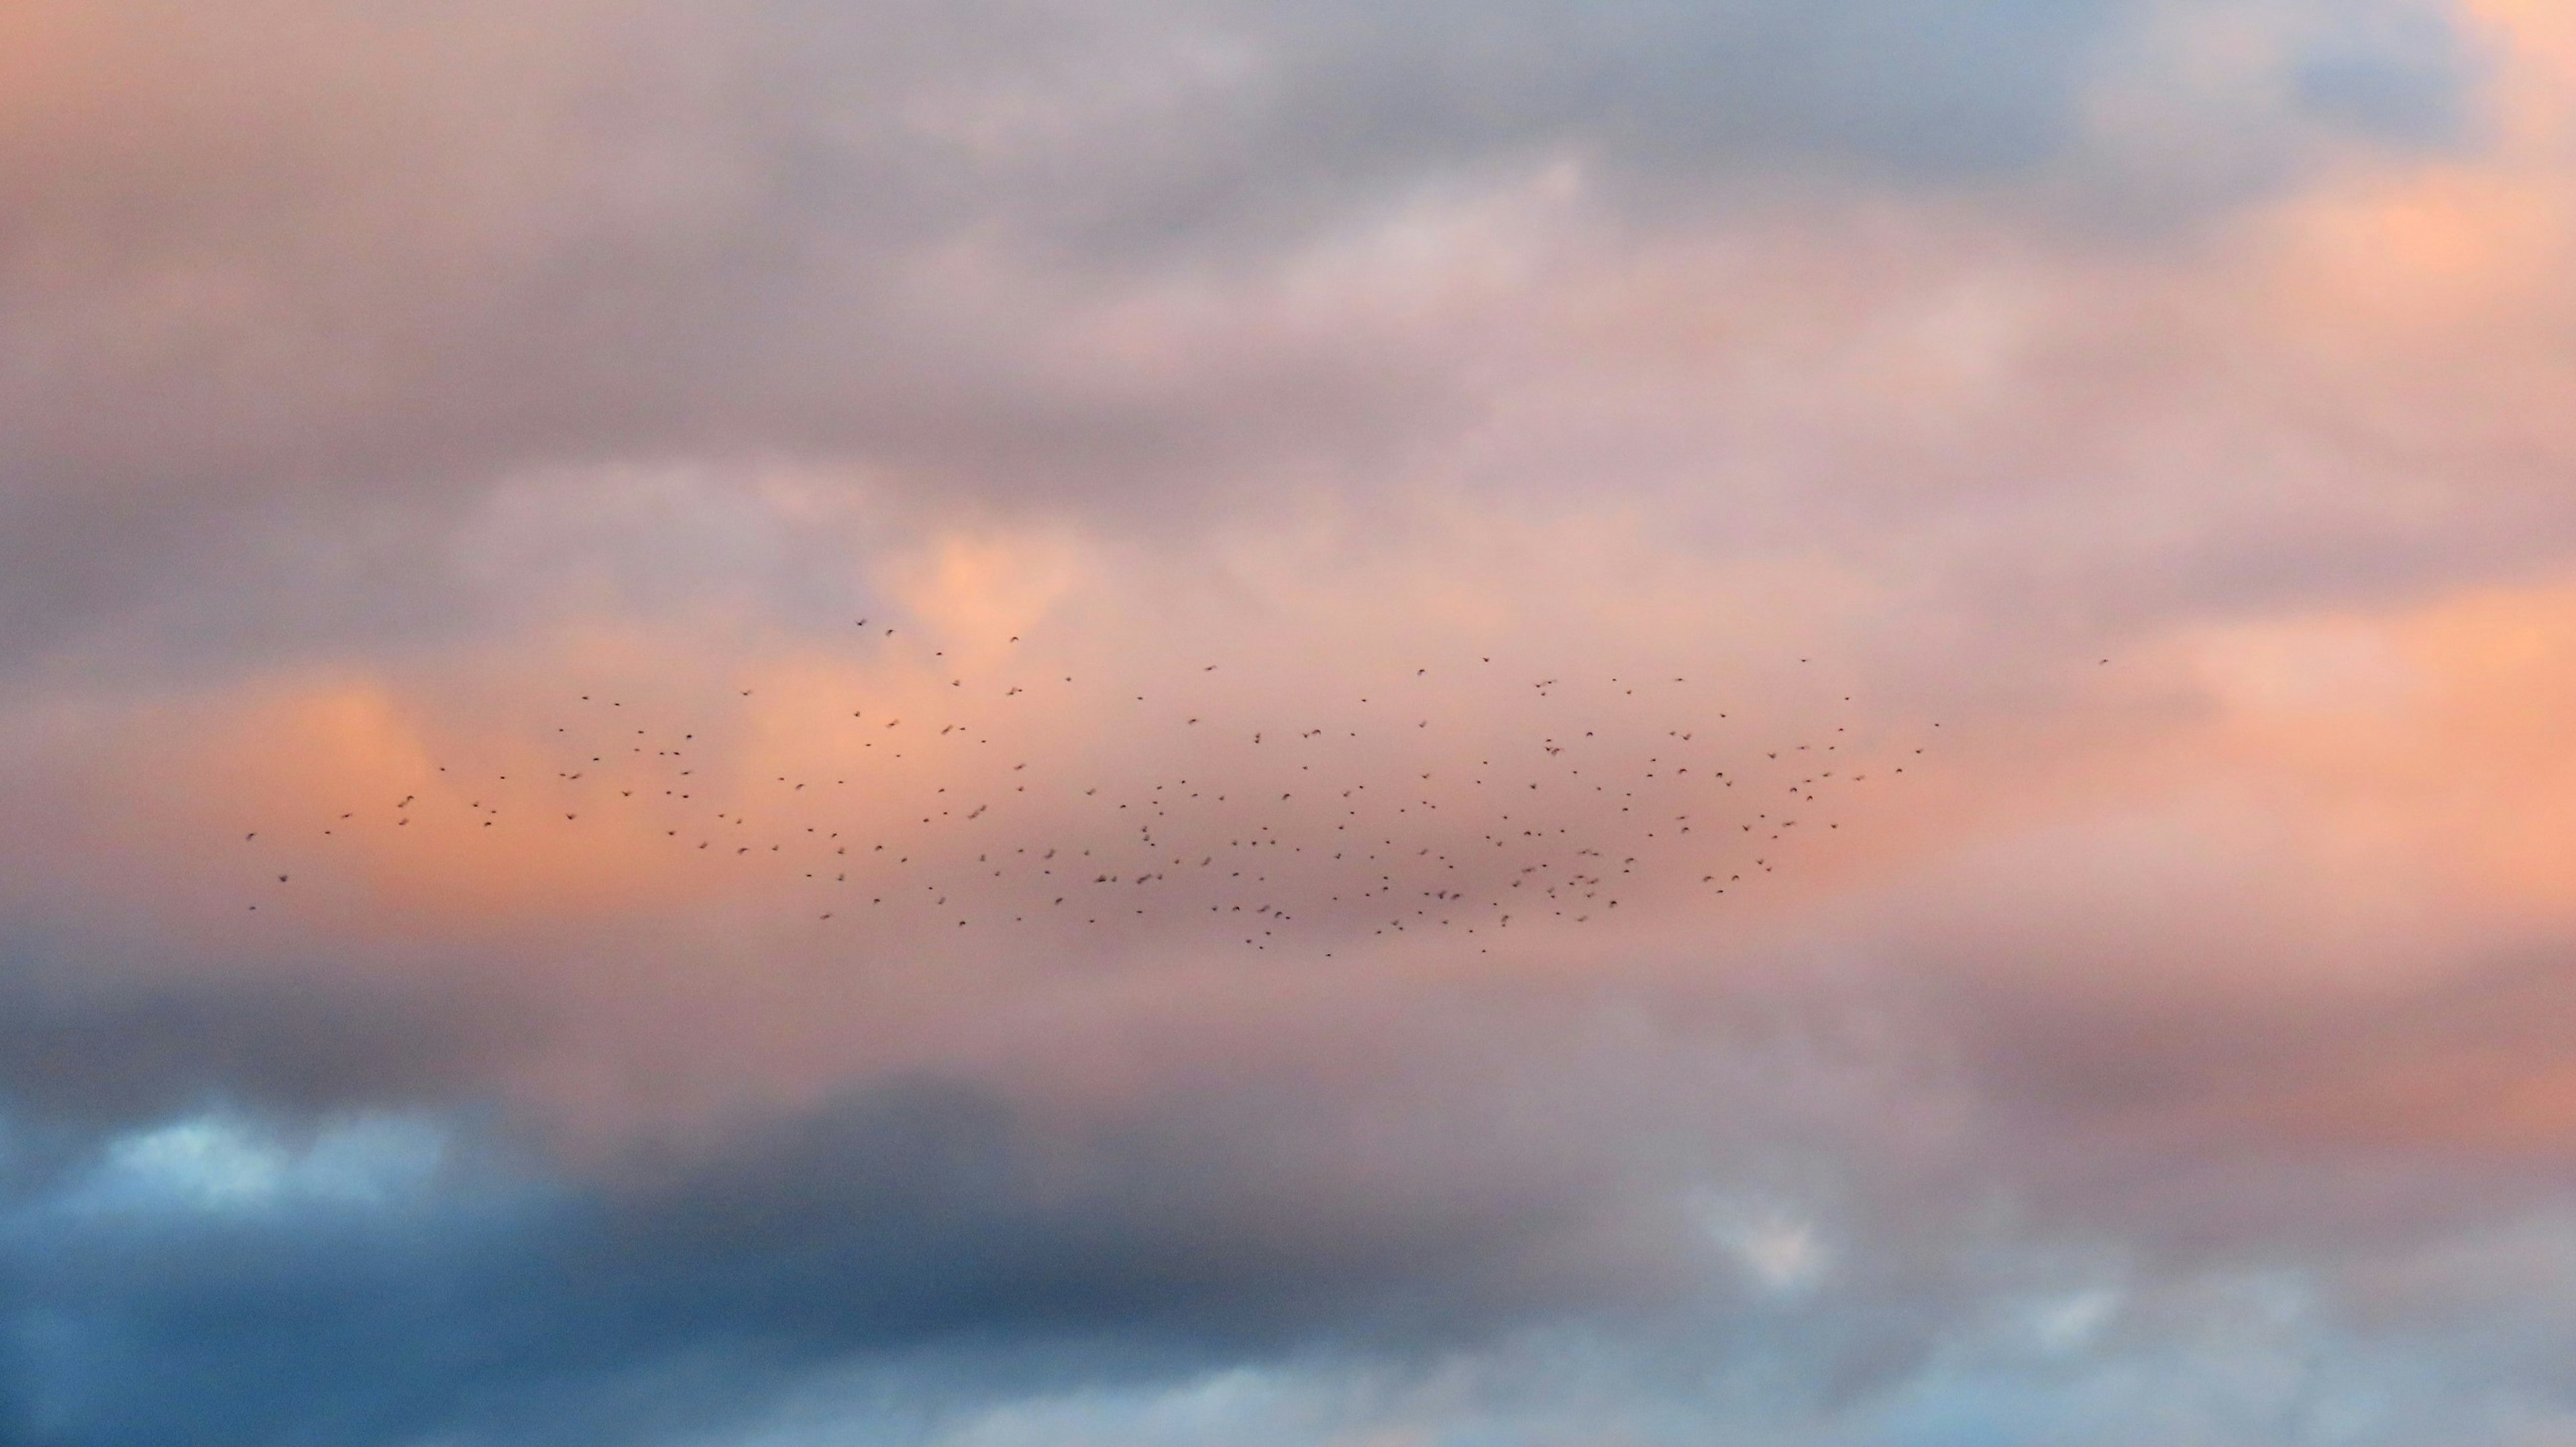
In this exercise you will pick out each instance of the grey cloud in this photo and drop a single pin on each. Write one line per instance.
(127, 1049)
(908, 1214)
(958, 1251)
(1264, 1216)
(246, 279)
(1389, 1180)
(2399, 75)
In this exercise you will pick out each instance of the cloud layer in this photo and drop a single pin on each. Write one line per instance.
(2149, 412)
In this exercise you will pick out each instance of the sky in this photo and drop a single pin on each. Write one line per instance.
(1912, 658)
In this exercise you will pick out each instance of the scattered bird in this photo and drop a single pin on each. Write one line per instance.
(1307, 833)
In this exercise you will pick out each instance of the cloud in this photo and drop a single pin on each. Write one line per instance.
(974, 252)
(421, 429)
(126, 1053)
(361, 1306)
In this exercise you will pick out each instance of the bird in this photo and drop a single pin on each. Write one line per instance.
(1364, 817)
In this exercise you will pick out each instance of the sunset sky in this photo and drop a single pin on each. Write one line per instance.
(912, 723)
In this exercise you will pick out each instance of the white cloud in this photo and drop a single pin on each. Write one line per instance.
(1779, 1249)
(221, 1164)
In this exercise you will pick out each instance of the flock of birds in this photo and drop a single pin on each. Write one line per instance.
(1028, 797)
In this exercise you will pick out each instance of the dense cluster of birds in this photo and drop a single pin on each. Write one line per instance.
(1031, 797)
